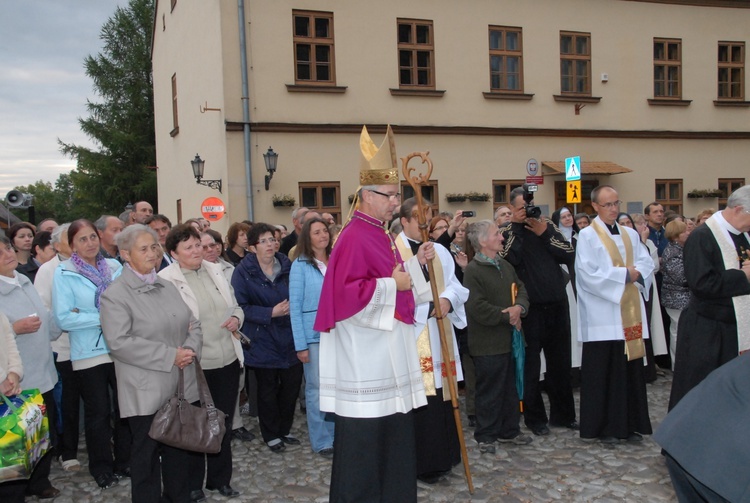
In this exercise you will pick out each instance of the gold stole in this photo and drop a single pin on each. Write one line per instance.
(630, 303)
(423, 341)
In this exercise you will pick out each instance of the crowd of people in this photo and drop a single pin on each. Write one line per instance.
(110, 313)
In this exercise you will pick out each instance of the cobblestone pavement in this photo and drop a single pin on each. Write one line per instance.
(559, 467)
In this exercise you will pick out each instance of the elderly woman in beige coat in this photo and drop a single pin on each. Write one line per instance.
(205, 289)
(151, 334)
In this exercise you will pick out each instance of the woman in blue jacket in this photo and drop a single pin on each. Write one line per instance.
(305, 284)
(261, 286)
(77, 286)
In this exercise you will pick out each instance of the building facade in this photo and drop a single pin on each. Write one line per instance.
(651, 95)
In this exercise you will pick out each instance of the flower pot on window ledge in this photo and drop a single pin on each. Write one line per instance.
(476, 196)
(455, 198)
(700, 193)
(284, 200)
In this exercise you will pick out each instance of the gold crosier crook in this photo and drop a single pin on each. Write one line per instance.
(416, 182)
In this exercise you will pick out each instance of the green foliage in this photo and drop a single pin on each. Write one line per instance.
(122, 125)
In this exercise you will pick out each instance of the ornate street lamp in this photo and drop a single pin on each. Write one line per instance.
(270, 158)
(198, 165)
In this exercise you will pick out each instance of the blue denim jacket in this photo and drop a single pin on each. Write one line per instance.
(305, 284)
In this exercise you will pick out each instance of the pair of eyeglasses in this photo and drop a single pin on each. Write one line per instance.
(214, 245)
(609, 206)
(441, 228)
(392, 197)
(267, 241)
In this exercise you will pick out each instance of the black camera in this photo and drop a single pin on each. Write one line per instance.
(528, 197)
(468, 213)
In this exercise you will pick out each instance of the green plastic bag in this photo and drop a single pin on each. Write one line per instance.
(24, 434)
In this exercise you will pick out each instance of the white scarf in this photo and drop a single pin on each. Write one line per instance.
(729, 254)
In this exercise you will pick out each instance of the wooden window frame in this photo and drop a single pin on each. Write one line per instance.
(729, 184)
(667, 202)
(574, 58)
(314, 42)
(415, 47)
(666, 64)
(434, 199)
(319, 186)
(509, 186)
(504, 54)
(729, 66)
(175, 116)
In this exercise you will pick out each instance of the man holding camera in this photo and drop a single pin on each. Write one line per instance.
(536, 249)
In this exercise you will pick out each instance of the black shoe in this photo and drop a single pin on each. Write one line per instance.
(197, 496)
(608, 440)
(635, 438)
(539, 430)
(472, 421)
(106, 480)
(573, 425)
(278, 448)
(122, 474)
(243, 434)
(431, 477)
(226, 491)
(327, 452)
(45, 494)
(290, 440)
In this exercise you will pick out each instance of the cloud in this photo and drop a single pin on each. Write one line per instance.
(43, 86)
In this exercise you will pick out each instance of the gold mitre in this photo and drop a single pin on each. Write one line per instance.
(378, 166)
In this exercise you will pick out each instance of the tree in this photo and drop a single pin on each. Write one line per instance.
(122, 125)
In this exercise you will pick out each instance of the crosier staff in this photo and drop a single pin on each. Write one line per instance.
(416, 181)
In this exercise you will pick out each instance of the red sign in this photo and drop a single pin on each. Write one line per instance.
(212, 209)
(539, 180)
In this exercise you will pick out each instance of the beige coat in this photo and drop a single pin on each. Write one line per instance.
(173, 274)
(143, 326)
(10, 359)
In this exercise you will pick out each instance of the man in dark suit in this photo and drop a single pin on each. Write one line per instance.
(707, 437)
(298, 218)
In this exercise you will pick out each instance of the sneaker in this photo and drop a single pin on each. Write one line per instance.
(487, 447)
(540, 430)
(327, 452)
(71, 465)
(519, 439)
(245, 410)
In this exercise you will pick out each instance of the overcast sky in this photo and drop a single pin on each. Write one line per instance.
(43, 87)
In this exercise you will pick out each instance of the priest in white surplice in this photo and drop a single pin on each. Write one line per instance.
(438, 449)
(611, 268)
(370, 374)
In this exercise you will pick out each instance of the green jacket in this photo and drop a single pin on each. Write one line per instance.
(490, 330)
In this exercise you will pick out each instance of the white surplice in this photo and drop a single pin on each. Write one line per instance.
(380, 374)
(600, 284)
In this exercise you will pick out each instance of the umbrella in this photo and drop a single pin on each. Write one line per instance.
(519, 351)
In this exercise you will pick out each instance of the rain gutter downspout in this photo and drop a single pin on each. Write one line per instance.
(245, 109)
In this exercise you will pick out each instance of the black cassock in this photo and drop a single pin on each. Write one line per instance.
(707, 333)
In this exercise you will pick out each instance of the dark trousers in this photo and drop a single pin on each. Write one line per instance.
(687, 488)
(497, 407)
(71, 407)
(374, 460)
(547, 327)
(99, 392)
(176, 469)
(613, 392)
(14, 491)
(223, 383)
(277, 396)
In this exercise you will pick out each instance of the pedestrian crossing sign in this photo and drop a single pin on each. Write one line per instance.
(574, 191)
(572, 168)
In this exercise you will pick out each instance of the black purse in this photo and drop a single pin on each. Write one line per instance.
(179, 424)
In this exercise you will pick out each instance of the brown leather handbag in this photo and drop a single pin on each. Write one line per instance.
(179, 424)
